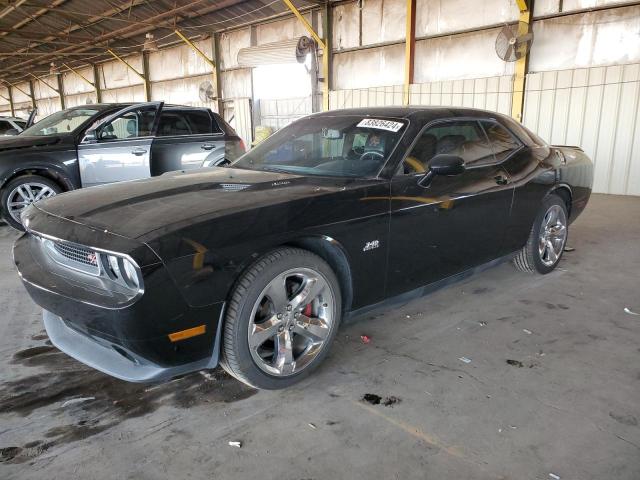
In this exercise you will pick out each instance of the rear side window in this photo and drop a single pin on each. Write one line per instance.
(4, 126)
(20, 124)
(464, 139)
(502, 141)
(189, 122)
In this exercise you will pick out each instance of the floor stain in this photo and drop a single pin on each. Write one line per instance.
(629, 420)
(515, 363)
(373, 399)
(113, 400)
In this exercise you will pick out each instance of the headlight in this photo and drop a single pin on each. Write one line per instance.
(122, 270)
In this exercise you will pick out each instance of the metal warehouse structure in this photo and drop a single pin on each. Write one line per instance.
(579, 83)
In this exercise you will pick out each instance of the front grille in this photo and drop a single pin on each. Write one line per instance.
(74, 256)
(76, 253)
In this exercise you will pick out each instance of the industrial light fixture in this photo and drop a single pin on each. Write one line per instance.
(150, 43)
(53, 69)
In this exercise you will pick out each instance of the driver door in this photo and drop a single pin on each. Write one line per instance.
(119, 148)
(453, 223)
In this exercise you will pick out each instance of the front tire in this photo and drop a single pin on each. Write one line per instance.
(281, 320)
(547, 239)
(21, 192)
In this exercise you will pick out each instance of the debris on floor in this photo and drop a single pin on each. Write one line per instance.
(374, 399)
(465, 359)
(235, 444)
(312, 426)
(554, 476)
(482, 323)
(515, 363)
(630, 312)
(365, 339)
(73, 401)
(528, 332)
(569, 249)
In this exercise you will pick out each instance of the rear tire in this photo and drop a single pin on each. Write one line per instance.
(547, 239)
(21, 192)
(281, 320)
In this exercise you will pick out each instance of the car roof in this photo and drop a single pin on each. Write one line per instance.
(17, 119)
(409, 112)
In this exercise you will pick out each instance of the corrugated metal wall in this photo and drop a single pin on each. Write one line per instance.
(597, 109)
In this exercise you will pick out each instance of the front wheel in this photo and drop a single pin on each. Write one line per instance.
(547, 239)
(21, 192)
(282, 318)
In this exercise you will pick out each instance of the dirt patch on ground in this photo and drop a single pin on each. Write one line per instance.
(98, 401)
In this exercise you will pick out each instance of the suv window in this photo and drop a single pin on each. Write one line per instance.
(465, 139)
(502, 141)
(190, 122)
(133, 124)
(4, 127)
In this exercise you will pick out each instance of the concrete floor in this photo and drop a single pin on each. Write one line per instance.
(553, 387)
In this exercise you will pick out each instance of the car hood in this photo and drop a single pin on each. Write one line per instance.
(18, 142)
(136, 208)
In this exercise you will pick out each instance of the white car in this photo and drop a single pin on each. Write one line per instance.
(11, 126)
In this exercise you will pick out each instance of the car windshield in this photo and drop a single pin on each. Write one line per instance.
(343, 146)
(66, 121)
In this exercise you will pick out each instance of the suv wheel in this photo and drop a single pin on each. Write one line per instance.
(21, 192)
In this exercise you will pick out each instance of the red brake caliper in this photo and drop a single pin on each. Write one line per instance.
(307, 310)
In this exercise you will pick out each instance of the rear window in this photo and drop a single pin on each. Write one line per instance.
(190, 122)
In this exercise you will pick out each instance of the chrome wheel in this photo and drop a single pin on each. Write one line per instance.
(553, 235)
(24, 195)
(291, 321)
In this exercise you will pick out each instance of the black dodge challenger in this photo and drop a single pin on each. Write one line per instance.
(254, 266)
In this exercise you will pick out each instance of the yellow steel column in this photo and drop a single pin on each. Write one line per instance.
(520, 74)
(325, 52)
(409, 49)
(147, 93)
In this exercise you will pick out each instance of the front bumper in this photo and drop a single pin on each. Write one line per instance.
(126, 339)
(114, 359)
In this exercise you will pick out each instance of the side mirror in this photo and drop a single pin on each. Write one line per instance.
(443, 164)
(89, 136)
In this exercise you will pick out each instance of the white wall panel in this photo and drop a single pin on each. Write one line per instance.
(346, 26)
(470, 55)
(367, 68)
(180, 61)
(236, 83)
(74, 84)
(42, 90)
(115, 74)
(493, 93)
(230, 44)
(5, 106)
(184, 91)
(80, 99)
(282, 30)
(125, 94)
(596, 109)
(598, 38)
(47, 106)
(18, 95)
(383, 21)
(434, 17)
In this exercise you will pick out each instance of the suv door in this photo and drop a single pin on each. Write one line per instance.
(185, 139)
(119, 148)
(453, 223)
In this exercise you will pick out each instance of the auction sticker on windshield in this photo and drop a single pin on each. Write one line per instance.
(381, 124)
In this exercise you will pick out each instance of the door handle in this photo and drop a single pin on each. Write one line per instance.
(207, 146)
(138, 151)
(501, 180)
